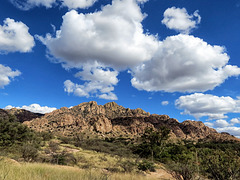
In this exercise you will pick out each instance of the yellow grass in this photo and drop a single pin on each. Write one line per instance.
(10, 170)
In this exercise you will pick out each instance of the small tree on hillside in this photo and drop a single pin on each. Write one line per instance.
(152, 142)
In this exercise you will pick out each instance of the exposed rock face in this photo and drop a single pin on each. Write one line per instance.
(85, 116)
(117, 120)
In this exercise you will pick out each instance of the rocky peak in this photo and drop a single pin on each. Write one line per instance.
(117, 120)
(111, 105)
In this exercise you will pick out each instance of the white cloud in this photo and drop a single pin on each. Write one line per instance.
(199, 105)
(6, 75)
(235, 121)
(29, 4)
(184, 63)
(231, 130)
(71, 4)
(14, 36)
(36, 108)
(209, 124)
(142, 1)
(221, 123)
(164, 103)
(99, 82)
(75, 4)
(224, 126)
(178, 19)
(109, 96)
(113, 36)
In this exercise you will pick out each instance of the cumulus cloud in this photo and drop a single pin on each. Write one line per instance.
(36, 108)
(214, 107)
(221, 123)
(231, 130)
(209, 124)
(142, 1)
(73, 4)
(164, 103)
(235, 121)
(113, 36)
(29, 4)
(70, 4)
(99, 82)
(184, 63)
(224, 126)
(14, 36)
(6, 75)
(178, 19)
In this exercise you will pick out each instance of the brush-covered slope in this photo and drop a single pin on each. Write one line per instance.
(19, 115)
(112, 119)
(23, 115)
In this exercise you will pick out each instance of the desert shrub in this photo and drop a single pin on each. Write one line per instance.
(220, 165)
(53, 146)
(183, 171)
(146, 166)
(127, 165)
(46, 136)
(29, 152)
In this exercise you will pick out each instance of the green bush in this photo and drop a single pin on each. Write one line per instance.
(146, 166)
(221, 165)
(29, 152)
(12, 132)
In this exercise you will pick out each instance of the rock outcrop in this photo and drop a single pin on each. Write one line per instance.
(115, 120)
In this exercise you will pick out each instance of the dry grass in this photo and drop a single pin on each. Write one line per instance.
(10, 170)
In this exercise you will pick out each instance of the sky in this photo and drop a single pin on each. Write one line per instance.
(174, 57)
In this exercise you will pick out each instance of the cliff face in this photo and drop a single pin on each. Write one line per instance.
(117, 120)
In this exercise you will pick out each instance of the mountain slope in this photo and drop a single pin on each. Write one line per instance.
(19, 115)
(116, 120)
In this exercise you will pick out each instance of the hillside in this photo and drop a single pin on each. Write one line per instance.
(115, 120)
(115, 142)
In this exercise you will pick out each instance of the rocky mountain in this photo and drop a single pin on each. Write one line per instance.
(112, 119)
(20, 115)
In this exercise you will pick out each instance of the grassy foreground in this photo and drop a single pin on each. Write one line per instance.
(11, 170)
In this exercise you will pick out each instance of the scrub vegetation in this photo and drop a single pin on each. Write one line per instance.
(26, 154)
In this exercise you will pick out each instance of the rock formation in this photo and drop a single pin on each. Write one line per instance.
(112, 119)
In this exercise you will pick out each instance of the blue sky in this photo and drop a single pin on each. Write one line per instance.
(175, 57)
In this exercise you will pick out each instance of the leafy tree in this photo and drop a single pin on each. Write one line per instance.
(152, 142)
(12, 132)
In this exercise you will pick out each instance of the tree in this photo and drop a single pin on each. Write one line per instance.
(12, 132)
(152, 142)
